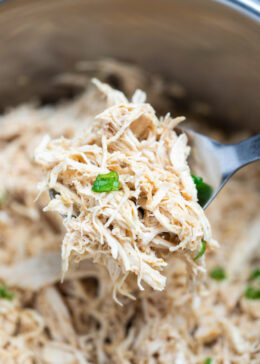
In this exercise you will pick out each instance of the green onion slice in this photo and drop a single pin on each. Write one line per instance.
(252, 293)
(218, 274)
(202, 250)
(106, 182)
(255, 275)
(204, 191)
(5, 294)
(111, 176)
(208, 361)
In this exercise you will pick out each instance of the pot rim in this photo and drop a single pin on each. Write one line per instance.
(249, 7)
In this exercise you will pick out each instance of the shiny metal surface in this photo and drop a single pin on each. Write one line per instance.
(252, 7)
(211, 48)
(217, 162)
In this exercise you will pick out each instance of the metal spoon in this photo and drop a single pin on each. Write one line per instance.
(218, 162)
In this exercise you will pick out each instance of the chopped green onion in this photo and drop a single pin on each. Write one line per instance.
(208, 361)
(202, 250)
(255, 275)
(218, 274)
(252, 293)
(3, 197)
(5, 294)
(106, 182)
(111, 176)
(204, 191)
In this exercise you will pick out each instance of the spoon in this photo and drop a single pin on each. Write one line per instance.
(217, 162)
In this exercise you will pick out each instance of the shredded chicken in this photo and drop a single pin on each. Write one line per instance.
(78, 321)
(154, 212)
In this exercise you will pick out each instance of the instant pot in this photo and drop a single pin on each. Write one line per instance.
(211, 48)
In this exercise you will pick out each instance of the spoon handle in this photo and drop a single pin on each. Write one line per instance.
(248, 150)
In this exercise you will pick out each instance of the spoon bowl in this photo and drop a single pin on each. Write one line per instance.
(217, 162)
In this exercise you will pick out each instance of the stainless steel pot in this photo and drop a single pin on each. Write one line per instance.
(211, 47)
